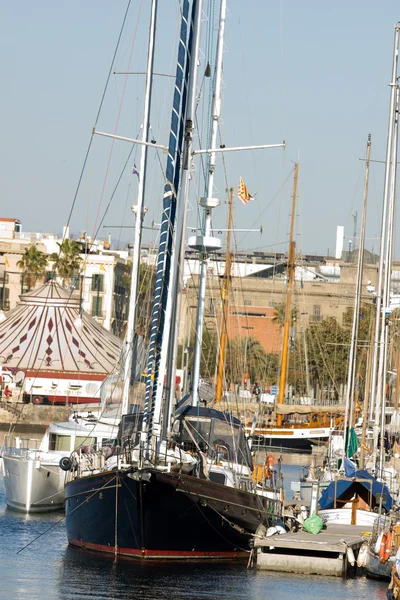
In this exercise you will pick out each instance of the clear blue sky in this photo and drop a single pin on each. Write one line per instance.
(313, 73)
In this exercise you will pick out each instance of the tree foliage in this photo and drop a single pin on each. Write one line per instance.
(34, 263)
(246, 355)
(67, 262)
(328, 348)
(280, 313)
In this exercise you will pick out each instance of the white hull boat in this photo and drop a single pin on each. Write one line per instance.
(33, 481)
(33, 478)
(343, 516)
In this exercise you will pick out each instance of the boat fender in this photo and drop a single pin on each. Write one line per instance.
(280, 529)
(378, 543)
(362, 558)
(350, 555)
(268, 466)
(65, 463)
(385, 549)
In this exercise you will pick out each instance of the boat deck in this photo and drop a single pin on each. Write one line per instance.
(325, 553)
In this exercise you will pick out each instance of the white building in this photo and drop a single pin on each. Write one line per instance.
(103, 285)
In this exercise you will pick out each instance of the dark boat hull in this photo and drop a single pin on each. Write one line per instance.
(162, 515)
(304, 445)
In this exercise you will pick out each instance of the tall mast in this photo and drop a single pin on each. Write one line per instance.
(167, 224)
(225, 303)
(288, 309)
(348, 417)
(374, 398)
(379, 427)
(172, 315)
(139, 210)
(206, 243)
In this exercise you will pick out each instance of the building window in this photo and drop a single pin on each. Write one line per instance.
(247, 302)
(97, 282)
(316, 315)
(97, 305)
(211, 306)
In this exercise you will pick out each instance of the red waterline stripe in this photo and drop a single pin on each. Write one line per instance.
(158, 553)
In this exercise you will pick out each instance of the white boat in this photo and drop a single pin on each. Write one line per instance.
(343, 516)
(33, 478)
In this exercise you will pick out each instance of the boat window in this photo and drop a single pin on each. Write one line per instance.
(217, 477)
(129, 429)
(230, 439)
(60, 442)
(84, 441)
(245, 485)
(199, 436)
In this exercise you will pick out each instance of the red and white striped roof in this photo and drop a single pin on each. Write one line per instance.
(44, 334)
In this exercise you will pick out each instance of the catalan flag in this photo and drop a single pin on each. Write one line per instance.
(243, 194)
(6, 262)
(102, 268)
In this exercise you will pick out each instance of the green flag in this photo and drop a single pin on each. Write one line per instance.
(351, 442)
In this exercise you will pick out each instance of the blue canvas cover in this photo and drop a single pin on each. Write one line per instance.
(327, 499)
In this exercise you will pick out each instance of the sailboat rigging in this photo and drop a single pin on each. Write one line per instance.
(351, 380)
(190, 495)
(277, 434)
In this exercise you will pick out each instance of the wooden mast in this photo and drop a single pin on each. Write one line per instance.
(225, 304)
(288, 309)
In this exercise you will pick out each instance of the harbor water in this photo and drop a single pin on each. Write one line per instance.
(37, 564)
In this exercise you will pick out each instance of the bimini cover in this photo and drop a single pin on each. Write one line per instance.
(362, 484)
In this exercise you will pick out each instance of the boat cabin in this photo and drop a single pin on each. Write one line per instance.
(217, 434)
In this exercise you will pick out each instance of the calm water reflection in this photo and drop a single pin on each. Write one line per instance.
(48, 570)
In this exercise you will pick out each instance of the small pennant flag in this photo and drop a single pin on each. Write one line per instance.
(135, 171)
(102, 268)
(243, 194)
(6, 262)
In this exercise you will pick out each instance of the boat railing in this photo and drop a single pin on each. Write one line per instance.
(24, 451)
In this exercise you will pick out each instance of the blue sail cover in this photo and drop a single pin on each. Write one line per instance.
(327, 499)
(168, 214)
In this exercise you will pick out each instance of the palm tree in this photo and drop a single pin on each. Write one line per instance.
(280, 313)
(34, 263)
(67, 262)
(247, 355)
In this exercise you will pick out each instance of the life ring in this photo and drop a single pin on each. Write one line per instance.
(65, 463)
(385, 549)
(268, 466)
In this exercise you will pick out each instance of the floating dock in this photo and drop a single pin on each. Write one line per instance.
(325, 553)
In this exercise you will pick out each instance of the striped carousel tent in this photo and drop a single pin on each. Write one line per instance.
(46, 335)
